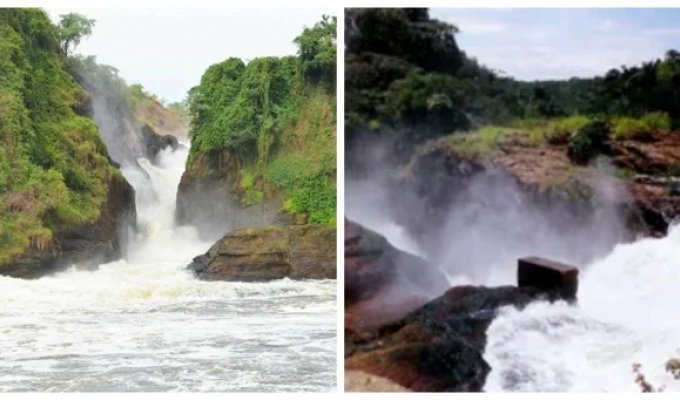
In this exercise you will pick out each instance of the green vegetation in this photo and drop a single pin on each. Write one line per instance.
(128, 101)
(276, 117)
(72, 28)
(589, 141)
(317, 51)
(482, 142)
(406, 77)
(53, 165)
(551, 130)
(627, 127)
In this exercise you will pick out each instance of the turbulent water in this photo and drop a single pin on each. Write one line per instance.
(627, 314)
(145, 324)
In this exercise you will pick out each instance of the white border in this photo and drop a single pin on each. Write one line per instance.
(339, 5)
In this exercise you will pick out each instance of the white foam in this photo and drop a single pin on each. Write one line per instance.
(627, 313)
(146, 324)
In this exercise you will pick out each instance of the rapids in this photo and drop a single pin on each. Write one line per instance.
(143, 323)
(626, 314)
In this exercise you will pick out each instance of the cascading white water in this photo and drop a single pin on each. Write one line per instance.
(146, 324)
(627, 314)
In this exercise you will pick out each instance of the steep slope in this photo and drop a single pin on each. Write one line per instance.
(60, 196)
(263, 140)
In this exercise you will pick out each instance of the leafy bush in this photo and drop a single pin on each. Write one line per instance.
(317, 198)
(317, 51)
(589, 141)
(235, 103)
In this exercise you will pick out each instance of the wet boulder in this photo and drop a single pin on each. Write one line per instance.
(559, 281)
(439, 346)
(155, 142)
(271, 252)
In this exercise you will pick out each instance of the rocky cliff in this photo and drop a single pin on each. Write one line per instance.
(87, 244)
(61, 198)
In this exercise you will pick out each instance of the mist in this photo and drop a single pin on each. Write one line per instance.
(473, 224)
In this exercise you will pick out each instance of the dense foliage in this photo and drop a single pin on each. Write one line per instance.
(53, 164)
(275, 116)
(317, 51)
(400, 66)
(405, 76)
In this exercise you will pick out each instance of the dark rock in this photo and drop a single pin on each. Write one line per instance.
(558, 280)
(381, 282)
(394, 332)
(272, 252)
(155, 142)
(439, 346)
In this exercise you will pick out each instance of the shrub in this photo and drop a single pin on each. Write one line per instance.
(589, 141)
(560, 130)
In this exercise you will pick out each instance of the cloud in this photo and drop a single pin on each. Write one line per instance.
(533, 44)
(168, 49)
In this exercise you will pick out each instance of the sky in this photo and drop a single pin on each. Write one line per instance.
(167, 50)
(531, 44)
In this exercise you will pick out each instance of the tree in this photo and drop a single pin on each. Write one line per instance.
(72, 28)
(316, 48)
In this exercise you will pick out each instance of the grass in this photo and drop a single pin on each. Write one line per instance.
(551, 130)
(481, 143)
(627, 127)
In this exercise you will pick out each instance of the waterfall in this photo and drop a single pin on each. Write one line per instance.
(144, 323)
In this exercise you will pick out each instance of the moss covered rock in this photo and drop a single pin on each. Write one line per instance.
(271, 252)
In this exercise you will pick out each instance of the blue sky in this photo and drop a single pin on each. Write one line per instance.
(553, 43)
(167, 50)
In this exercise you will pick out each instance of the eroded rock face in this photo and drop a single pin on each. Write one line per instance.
(271, 252)
(155, 142)
(87, 245)
(208, 197)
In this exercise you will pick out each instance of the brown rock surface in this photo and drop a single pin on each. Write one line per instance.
(271, 252)
(357, 381)
(382, 283)
(546, 171)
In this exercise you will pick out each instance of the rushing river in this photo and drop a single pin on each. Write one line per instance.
(146, 324)
(627, 314)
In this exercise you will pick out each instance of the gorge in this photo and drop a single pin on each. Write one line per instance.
(106, 302)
